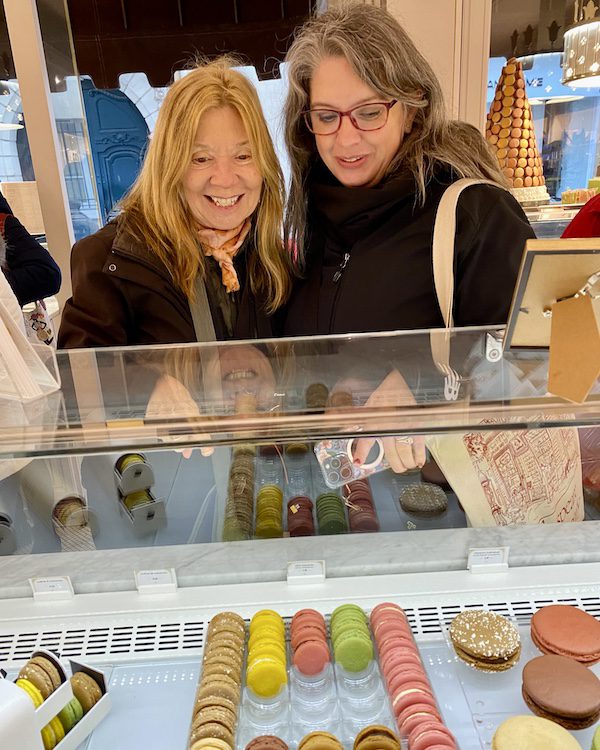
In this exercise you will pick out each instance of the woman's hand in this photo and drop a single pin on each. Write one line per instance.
(403, 453)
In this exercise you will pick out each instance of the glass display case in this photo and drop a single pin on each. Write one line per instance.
(164, 485)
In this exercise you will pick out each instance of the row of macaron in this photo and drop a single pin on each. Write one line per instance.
(39, 678)
(374, 737)
(557, 685)
(414, 705)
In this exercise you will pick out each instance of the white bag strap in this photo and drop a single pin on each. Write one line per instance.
(444, 237)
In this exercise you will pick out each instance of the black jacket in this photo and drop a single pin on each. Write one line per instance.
(369, 264)
(123, 295)
(29, 268)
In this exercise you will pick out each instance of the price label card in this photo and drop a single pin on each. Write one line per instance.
(156, 581)
(488, 559)
(305, 572)
(51, 587)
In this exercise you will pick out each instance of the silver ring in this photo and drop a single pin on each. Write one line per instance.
(404, 440)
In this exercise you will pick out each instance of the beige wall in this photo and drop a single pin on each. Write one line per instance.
(454, 36)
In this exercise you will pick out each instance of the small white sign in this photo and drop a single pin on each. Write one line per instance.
(306, 572)
(156, 581)
(488, 559)
(51, 587)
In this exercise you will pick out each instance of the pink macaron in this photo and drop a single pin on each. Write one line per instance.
(411, 695)
(308, 633)
(398, 658)
(412, 677)
(396, 644)
(311, 657)
(388, 628)
(431, 733)
(384, 608)
(308, 618)
(420, 713)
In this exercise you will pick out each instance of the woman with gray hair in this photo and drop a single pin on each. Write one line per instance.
(372, 152)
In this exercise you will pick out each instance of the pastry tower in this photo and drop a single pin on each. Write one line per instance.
(509, 131)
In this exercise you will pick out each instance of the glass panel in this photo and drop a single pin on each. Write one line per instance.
(230, 393)
(103, 465)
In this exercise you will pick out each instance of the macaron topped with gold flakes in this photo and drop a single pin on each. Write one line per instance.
(485, 640)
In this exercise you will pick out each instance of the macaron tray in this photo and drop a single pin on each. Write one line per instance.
(337, 680)
(43, 709)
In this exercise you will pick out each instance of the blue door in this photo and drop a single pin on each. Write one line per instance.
(118, 138)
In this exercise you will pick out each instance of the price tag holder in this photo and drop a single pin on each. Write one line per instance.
(156, 581)
(51, 588)
(305, 572)
(488, 559)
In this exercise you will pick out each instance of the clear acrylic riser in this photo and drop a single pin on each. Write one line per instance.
(152, 703)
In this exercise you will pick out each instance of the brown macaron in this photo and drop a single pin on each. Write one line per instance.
(43, 674)
(86, 690)
(562, 690)
(267, 742)
(320, 741)
(376, 737)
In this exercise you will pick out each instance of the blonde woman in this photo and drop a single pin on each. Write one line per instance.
(196, 253)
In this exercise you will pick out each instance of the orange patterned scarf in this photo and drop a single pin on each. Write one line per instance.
(223, 245)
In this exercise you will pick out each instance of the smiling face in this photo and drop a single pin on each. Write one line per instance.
(222, 184)
(355, 157)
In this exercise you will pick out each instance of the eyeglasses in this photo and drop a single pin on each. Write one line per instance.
(366, 117)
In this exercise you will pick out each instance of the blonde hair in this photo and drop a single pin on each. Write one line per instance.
(155, 211)
(383, 56)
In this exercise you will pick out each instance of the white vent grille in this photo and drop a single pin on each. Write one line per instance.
(124, 642)
(114, 641)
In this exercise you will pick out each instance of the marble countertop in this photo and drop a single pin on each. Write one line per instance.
(266, 560)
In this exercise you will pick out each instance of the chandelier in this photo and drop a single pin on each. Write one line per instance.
(581, 59)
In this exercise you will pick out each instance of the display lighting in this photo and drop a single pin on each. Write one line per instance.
(581, 60)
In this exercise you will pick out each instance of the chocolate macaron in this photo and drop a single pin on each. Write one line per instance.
(562, 690)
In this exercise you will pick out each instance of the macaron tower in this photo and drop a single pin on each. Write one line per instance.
(509, 131)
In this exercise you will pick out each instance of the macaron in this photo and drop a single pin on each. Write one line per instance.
(532, 733)
(70, 714)
(429, 734)
(52, 733)
(267, 742)
(43, 674)
(320, 741)
(352, 644)
(86, 690)
(209, 743)
(562, 690)
(266, 670)
(596, 739)
(423, 500)
(567, 631)
(376, 737)
(485, 640)
(31, 690)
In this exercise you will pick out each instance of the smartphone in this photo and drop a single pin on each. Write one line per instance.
(337, 463)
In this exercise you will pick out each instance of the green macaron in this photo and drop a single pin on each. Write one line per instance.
(353, 650)
(70, 715)
(596, 740)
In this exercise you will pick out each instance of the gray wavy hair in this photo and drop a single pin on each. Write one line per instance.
(385, 58)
